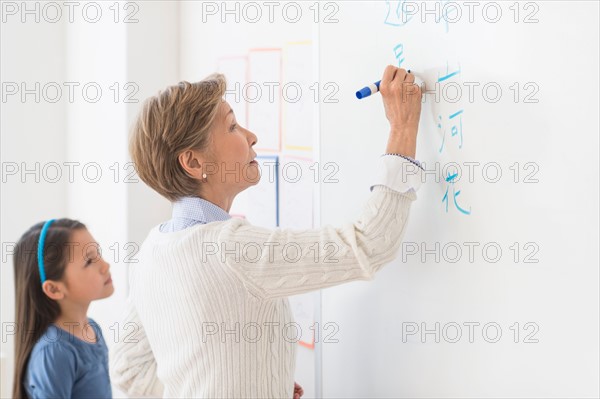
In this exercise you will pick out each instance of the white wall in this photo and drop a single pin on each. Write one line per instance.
(152, 60)
(96, 54)
(118, 213)
(141, 58)
(32, 132)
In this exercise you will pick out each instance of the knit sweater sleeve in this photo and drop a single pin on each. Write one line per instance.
(280, 262)
(132, 363)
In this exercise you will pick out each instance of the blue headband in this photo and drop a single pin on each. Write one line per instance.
(40, 251)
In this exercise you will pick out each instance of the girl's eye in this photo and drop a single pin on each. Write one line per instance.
(89, 261)
(232, 128)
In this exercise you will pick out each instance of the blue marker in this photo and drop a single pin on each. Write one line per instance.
(367, 91)
(374, 88)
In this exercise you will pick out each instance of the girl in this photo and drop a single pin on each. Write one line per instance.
(58, 271)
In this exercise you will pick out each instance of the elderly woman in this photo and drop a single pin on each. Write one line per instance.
(208, 300)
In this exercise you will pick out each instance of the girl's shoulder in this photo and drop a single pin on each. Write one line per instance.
(51, 348)
(58, 339)
(98, 331)
(53, 340)
(58, 345)
(93, 323)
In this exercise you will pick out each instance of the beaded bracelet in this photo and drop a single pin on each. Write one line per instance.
(414, 161)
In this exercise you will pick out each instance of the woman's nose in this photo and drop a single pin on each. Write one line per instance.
(252, 137)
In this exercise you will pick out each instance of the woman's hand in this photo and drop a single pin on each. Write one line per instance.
(402, 103)
(298, 391)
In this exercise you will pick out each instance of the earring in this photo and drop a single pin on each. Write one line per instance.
(204, 175)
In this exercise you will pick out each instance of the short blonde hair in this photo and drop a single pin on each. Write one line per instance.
(178, 118)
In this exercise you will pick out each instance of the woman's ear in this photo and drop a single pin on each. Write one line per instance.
(190, 163)
(53, 289)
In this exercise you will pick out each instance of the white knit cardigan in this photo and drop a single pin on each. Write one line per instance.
(208, 311)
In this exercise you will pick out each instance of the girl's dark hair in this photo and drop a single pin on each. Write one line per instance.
(34, 311)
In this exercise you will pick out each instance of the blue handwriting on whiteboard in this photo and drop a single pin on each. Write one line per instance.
(455, 193)
(454, 119)
(398, 53)
(396, 14)
(455, 130)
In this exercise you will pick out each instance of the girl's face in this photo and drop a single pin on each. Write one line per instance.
(87, 274)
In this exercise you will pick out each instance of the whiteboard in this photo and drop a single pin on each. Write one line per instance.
(526, 185)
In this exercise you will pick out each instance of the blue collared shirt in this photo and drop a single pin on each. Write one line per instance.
(189, 211)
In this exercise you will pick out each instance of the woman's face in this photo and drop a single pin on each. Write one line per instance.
(232, 149)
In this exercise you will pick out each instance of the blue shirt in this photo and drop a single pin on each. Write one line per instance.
(189, 211)
(64, 366)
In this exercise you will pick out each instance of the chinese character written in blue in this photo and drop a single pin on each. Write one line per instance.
(454, 130)
(445, 8)
(398, 53)
(448, 74)
(455, 193)
(397, 15)
(455, 118)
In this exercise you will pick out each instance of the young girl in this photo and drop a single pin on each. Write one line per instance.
(59, 352)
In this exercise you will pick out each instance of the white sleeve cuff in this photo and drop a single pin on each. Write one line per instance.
(397, 173)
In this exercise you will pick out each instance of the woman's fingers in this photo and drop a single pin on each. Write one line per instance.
(388, 75)
(401, 101)
(298, 391)
(400, 75)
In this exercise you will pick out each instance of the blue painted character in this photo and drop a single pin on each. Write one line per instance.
(397, 14)
(450, 179)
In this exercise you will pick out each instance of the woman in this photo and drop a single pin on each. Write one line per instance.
(208, 300)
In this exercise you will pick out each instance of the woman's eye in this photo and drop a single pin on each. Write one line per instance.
(233, 127)
(89, 261)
